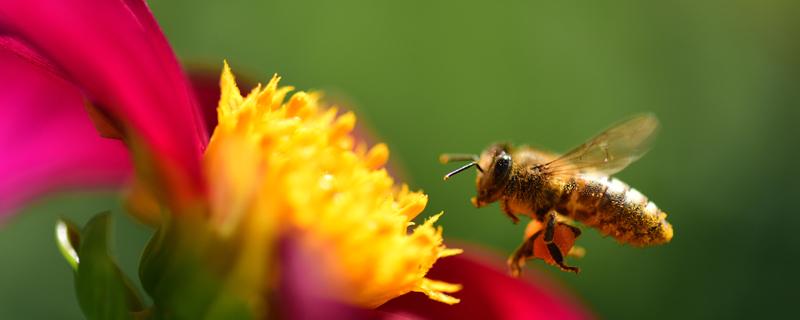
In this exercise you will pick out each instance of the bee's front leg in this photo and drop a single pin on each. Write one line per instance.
(525, 251)
(549, 234)
(507, 209)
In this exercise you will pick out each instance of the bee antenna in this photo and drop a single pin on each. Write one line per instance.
(464, 167)
(448, 157)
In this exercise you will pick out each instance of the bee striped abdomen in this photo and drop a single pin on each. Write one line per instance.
(615, 209)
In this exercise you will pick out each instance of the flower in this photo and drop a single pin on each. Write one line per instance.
(111, 53)
(295, 163)
(220, 221)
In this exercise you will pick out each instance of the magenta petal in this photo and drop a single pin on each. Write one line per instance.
(205, 84)
(47, 140)
(489, 293)
(115, 52)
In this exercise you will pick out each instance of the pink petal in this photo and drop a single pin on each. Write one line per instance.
(205, 84)
(116, 54)
(47, 140)
(489, 293)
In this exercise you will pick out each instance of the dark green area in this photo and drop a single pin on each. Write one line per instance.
(35, 280)
(430, 77)
(103, 291)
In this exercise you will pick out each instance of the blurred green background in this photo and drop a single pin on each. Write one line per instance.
(431, 77)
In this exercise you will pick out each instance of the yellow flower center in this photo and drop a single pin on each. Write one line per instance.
(293, 168)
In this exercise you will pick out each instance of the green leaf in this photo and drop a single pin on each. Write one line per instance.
(103, 290)
(155, 258)
(68, 238)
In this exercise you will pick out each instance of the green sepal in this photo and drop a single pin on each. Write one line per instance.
(103, 291)
(184, 269)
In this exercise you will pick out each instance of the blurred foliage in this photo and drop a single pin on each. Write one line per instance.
(103, 291)
(432, 77)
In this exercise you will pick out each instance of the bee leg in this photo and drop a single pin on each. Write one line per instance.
(523, 253)
(575, 251)
(575, 230)
(555, 252)
(507, 209)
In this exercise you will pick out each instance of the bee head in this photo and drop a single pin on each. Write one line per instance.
(494, 169)
(491, 182)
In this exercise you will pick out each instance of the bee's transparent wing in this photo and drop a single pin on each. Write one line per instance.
(610, 151)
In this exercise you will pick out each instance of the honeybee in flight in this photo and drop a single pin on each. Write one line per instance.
(554, 190)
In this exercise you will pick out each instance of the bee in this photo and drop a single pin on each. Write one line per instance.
(555, 190)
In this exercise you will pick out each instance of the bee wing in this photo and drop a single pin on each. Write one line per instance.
(610, 151)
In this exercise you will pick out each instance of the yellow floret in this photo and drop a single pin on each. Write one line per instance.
(293, 168)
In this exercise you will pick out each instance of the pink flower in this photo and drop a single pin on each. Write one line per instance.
(76, 70)
(113, 54)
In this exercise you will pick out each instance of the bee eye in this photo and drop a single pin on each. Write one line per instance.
(502, 165)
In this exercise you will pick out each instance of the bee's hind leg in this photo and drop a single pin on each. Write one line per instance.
(576, 251)
(552, 248)
(522, 254)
